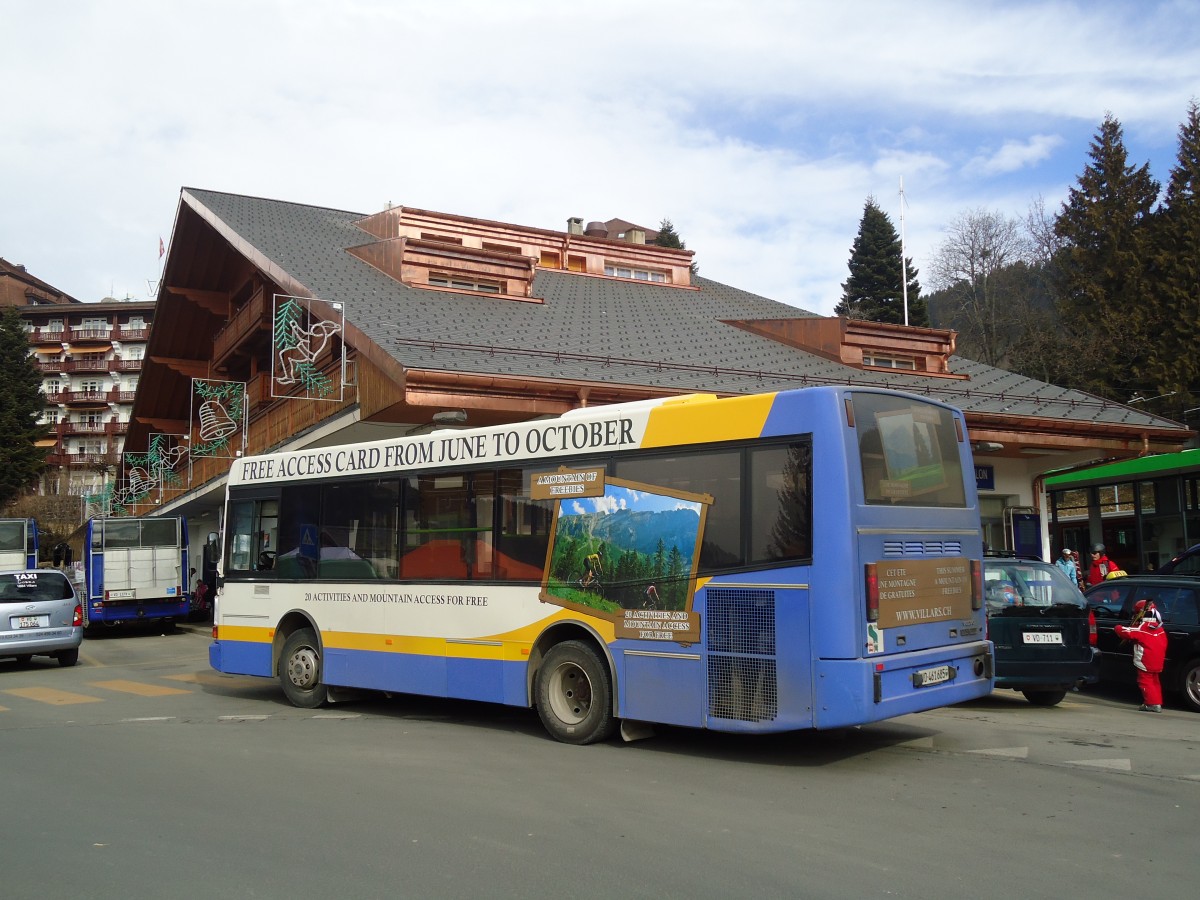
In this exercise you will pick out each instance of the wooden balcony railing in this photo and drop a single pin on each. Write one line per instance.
(84, 365)
(82, 428)
(88, 334)
(87, 396)
(253, 317)
(82, 459)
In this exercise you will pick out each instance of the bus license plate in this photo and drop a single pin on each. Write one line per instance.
(1042, 637)
(123, 594)
(30, 621)
(926, 677)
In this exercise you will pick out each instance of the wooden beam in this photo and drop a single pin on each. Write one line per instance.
(189, 368)
(165, 426)
(215, 302)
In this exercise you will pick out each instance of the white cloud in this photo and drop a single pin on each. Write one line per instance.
(759, 129)
(1014, 155)
(607, 504)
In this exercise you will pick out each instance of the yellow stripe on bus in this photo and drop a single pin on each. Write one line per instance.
(510, 645)
(694, 423)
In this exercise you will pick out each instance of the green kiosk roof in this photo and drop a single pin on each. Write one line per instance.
(1142, 468)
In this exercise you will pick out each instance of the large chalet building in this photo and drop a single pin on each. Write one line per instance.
(407, 319)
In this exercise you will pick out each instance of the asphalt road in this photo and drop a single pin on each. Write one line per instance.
(142, 773)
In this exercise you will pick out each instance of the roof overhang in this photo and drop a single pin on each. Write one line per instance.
(1140, 469)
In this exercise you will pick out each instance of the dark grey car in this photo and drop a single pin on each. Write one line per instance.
(1177, 598)
(1045, 637)
(40, 615)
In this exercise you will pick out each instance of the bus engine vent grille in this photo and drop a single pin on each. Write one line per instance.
(742, 682)
(922, 548)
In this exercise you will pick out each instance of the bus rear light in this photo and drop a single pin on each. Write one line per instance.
(872, 593)
(214, 631)
(1092, 627)
(976, 584)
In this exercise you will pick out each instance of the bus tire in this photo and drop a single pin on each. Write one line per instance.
(300, 670)
(1044, 698)
(573, 691)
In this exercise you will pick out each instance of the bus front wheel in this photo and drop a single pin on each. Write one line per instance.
(300, 670)
(574, 694)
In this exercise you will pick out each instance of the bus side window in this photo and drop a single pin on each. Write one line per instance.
(719, 475)
(524, 534)
(359, 529)
(780, 503)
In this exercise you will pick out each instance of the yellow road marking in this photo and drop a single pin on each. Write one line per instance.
(137, 687)
(50, 695)
(89, 660)
(214, 678)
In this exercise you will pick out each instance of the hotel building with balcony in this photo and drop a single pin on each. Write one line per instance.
(90, 356)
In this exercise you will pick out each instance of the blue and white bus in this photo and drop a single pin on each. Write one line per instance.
(797, 560)
(135, 569)
(18, 544)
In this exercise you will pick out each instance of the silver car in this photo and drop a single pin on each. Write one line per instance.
(40, 615)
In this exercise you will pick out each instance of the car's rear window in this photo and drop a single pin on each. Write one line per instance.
(19, 587)
(1008, 583)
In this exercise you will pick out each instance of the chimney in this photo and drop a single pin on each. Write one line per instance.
(575, 225)
(636, 235)
(596, 230)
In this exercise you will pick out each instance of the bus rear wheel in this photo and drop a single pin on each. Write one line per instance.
(300, 670)
(574, 694)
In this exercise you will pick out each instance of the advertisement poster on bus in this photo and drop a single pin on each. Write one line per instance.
(628, 552)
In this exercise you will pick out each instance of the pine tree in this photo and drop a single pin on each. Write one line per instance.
(1172, 363)
(874, 289)
(21, 402)
(1104, 293)
(668, 237)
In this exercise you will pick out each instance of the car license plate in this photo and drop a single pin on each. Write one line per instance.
(926, 677)
(29, 621)
(1042, 637)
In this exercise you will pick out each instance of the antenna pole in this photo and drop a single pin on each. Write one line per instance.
(903, 264)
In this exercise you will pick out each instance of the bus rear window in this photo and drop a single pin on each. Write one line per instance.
(12, 535)
(908, 451)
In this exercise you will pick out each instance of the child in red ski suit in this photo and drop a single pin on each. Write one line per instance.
(1149, 651)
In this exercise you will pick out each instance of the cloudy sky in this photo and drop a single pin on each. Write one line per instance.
(758, 127)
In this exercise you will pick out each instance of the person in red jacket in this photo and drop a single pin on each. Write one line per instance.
(1149, 651)
(1100, 567)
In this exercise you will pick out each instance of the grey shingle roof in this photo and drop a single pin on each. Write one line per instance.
(603, 330)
